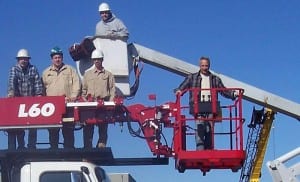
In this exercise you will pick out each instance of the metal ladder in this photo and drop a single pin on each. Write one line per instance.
(252, 143)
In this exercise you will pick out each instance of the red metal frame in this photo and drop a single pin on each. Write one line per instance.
(231, 158)
(150, 119)
(31, 111)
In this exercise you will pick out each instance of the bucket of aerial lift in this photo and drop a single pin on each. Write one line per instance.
(218, 154)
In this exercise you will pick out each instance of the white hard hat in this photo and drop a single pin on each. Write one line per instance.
(23, 53)
(96, 54)
(104, 7)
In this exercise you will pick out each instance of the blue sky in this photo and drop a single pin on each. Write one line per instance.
(256, 42)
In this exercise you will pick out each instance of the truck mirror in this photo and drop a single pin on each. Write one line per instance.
(85, 170)
(100, 173)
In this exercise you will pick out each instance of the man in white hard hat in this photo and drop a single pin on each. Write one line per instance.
(24, 80)
(97, 83)
(110, 26)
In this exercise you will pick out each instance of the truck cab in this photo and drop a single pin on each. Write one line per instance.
(61, 165)
(63, 171)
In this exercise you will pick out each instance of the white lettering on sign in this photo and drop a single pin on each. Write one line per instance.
(34, 111)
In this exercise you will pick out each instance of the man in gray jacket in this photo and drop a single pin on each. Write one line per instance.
(110, 26)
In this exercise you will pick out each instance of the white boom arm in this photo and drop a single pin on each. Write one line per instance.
(252, 94)
(280, 172)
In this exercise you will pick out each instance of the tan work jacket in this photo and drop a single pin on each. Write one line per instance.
(98, 84)
(64, 81)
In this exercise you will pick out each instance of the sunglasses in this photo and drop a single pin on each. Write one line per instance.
(104, 12)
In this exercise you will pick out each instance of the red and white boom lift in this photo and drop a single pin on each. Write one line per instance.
(44, 112)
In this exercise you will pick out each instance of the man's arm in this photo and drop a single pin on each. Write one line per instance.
(122, 31)
(116, 30)
(230, 94)
(184, 85)
(76, 87)
(38, 85)
(11, 83)
(112, 88)
(84, 87)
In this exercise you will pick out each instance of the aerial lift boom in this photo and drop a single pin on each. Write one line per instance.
(251, 93)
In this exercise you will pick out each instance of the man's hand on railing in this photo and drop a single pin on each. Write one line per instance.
(178, 93)
(235, 95)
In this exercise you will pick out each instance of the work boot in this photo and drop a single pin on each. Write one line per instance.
(101, 145)
(68, 145)
(200, 146)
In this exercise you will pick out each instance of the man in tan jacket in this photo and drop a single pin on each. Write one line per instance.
(98, 83)
(61, 80)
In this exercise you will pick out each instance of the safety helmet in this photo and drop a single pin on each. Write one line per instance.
(97, 54)
(23, 53)
(56, 50)
(104, 7)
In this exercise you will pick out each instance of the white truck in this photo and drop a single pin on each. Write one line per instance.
(45, 165)
(60, 165)
(62, 171)
(65, 171)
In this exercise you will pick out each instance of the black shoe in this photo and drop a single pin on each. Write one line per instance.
(31, 147)
(87, 145)
(69, 147)
(21, 148)
(54, 147)
(11, 147)
(200, 146)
